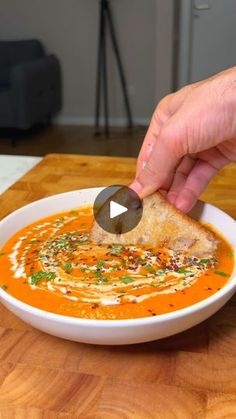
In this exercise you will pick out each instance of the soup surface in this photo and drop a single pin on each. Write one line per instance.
(52, 265)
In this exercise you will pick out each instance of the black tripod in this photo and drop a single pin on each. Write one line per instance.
(106, 22)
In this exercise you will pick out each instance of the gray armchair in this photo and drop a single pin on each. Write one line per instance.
(30, 84)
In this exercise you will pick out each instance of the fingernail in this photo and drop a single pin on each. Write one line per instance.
(136, 186)
(150, 147)
(181, 205)
(144, 164)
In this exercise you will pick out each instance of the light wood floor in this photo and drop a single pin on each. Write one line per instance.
(75, 140)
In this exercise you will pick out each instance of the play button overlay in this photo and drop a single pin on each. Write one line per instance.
(118, 209)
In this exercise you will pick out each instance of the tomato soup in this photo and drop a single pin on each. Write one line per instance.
(52, 265)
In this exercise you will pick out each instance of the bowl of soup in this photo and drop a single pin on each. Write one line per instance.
(54, 278)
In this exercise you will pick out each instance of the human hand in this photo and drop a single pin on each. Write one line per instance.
(191, 136)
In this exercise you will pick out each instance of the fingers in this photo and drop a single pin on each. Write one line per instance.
(180, 177)
(191, 121)
(159, 170)
(196, 182)
(165, 109)
(148, 144)
(160, 116)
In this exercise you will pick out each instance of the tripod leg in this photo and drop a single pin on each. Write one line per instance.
(105, 88)
(99, 68)
(120, 67)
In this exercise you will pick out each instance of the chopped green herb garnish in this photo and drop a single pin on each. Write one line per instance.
(38, 276)
(59, 221)
(221, 273)
(2, 254)
(116, 249)
(230, 255)
(102, 281)
(50, 276)
(68, 267)
(160, 272)
(4, 287)
(203, 261)
(127, 279)
(43, 258)
(148, 267)
(98, 274)
(66, 242)
(184, 271)
(100, 263)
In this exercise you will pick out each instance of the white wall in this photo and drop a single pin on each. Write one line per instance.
(69, 29)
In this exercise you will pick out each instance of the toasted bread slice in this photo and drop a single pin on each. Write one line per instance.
(162, 224)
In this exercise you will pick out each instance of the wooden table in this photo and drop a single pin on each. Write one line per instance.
(190, 375)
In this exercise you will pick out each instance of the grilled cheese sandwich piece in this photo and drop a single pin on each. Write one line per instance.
(161, 225)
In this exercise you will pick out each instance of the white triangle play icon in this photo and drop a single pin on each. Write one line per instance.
(116, 209)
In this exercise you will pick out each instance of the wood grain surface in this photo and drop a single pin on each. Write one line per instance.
(190, 375)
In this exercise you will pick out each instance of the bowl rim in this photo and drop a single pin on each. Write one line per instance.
(139, 321)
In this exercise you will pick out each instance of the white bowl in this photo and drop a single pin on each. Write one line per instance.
(113, 332)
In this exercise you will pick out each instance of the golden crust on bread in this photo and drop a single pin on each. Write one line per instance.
(163, 224)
